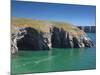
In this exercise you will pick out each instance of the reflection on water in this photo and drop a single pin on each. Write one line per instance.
(54, 60)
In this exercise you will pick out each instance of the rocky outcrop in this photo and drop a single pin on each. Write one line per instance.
(60, 38)
(70, 43)
(63, 39)
(29, 38)
(87, 42)
(33, 40)
(14, 48)
(76, 42)
(15, 37)
(55, 38)
(88, 29)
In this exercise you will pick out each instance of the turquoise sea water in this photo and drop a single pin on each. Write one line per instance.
(54, 60)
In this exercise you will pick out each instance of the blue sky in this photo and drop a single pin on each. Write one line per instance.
(75, 14)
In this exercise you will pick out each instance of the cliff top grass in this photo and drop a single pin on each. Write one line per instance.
(45, 25)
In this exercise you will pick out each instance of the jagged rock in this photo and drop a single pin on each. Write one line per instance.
(28, 38)
(55, 38)
(69, 41)
(14, 38)
(33, 40)
(87, 42)
(63, 38)
(59, 39)
(76, 42)
(14, 48)
(47, 39)
(82, 45)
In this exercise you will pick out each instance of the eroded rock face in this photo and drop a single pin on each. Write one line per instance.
(63, 39)
(28, 38)
(87, 42)
(60, 39)
(69, 40)
(76, 42)
(55, 38)
(14, 38)
(14, 48)
(33, 40)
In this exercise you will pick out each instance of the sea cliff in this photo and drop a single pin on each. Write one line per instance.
(43, 35)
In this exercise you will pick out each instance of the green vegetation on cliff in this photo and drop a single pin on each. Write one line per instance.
(44, 26)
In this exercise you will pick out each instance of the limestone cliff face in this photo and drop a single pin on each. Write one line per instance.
(62, 39)
(29, 38)
(32, 40)
(43, 35)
